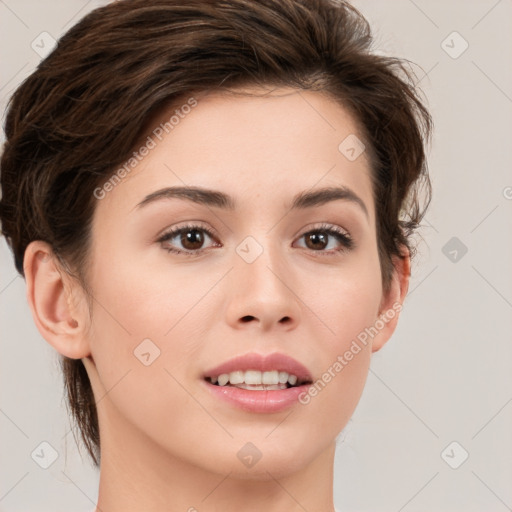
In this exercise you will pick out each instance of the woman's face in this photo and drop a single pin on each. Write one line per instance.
(256, 274)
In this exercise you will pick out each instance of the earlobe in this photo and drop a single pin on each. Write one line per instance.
(391, 303)
(51, 295)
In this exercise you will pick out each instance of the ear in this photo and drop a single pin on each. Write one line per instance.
(391, 303)
(57, 301)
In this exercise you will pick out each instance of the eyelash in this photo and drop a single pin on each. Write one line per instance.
(341, 236)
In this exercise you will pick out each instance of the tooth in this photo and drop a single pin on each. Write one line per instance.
(283, 377)
(252, 377)
(236, 377)
(255, 378)
(271, 377)
(223, 379)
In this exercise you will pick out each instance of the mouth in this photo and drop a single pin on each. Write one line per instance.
(259, 383)
(256, 380)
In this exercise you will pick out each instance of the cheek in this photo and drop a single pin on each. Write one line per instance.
(146, 332)
(136, 303)
(347, 303)
(347, 298)
(352, 307)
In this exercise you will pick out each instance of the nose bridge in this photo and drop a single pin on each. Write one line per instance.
(260, 275)
(261, 261)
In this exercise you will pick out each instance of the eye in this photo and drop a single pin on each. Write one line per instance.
(325, 238)
(191, 237)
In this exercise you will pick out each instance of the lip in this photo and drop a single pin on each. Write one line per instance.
(260, 401)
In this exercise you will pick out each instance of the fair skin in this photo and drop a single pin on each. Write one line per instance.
(166, 443)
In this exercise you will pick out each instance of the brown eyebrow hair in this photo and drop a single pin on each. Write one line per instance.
(306, 199)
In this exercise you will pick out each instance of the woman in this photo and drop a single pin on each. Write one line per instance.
(212, 204)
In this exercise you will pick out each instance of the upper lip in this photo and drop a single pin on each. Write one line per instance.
(269, 362)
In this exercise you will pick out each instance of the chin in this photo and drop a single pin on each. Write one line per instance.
(265, 460)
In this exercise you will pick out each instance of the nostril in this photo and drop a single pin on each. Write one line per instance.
(247, 318)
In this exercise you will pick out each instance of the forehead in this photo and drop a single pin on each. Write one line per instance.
(247, 142)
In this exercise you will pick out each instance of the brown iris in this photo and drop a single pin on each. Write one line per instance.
(318, 240)
(194, 237)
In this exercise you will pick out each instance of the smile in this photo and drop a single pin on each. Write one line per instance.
(259, 383)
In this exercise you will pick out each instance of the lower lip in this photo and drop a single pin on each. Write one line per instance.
(261, 401)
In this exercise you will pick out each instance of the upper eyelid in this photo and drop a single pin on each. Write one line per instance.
(326, 227)
(211, 232)
(190, 225)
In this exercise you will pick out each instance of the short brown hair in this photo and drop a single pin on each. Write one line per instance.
(77, 117)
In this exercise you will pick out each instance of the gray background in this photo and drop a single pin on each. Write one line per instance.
(446, 374)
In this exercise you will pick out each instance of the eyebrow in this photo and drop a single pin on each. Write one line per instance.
(303, 200)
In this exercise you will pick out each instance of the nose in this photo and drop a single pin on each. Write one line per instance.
(263, 294)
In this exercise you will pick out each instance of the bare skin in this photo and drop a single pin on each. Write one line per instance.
(167, 443)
